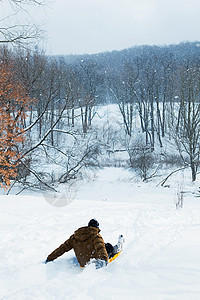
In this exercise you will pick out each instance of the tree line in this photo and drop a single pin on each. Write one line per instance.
(50, 102)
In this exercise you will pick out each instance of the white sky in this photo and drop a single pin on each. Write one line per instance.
(92, 26)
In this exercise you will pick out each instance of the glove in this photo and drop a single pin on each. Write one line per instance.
(46, 261)
(100, 263)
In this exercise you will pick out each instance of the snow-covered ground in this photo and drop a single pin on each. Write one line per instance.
(161, 257)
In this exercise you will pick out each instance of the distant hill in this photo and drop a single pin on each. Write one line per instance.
(113, 59)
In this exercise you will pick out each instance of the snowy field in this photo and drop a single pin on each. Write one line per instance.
(161, 257)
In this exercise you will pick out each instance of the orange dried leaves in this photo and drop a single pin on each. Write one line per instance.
(14, 103)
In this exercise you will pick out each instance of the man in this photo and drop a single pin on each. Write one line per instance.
(88, 244)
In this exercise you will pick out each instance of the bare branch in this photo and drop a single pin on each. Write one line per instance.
(79, 165)
(53, 147)
(19, 33)
(37, 120)
(47, 133)
(173, 172)
(37, 176)
(66, 132)
(23, 2)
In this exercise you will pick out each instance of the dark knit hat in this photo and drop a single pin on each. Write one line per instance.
(93, 223)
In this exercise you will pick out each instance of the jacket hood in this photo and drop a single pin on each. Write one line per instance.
(84, 233)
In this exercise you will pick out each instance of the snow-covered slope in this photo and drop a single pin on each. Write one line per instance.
(161, 257)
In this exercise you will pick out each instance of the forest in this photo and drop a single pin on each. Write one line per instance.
(52, 128)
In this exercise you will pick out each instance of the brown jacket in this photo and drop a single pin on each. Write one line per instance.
(86, 242)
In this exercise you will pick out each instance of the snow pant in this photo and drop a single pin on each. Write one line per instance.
(110, 250)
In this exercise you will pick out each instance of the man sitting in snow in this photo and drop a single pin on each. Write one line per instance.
(87, 244)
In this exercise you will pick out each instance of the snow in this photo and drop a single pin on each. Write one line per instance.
(161, 257)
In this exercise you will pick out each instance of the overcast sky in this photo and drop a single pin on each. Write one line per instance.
(92, 26)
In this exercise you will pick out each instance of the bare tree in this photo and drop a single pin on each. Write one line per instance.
(123, 88)
(89, 82)
(141, 158)
(163, 92)
(186, 117)
(18, 33)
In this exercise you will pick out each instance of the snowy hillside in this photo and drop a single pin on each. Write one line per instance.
(161, 257)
